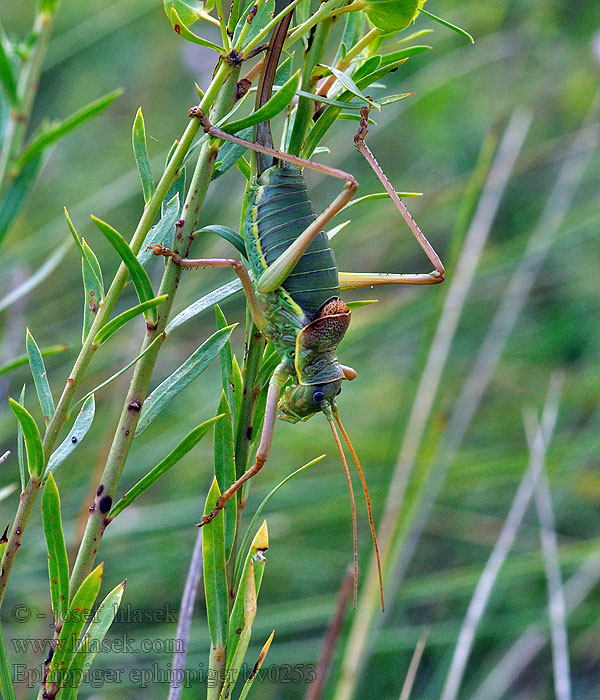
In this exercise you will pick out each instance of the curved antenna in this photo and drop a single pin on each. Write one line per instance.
(352, 501)
(367, 498)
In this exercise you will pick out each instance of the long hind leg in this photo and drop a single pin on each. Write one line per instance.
(358, 280)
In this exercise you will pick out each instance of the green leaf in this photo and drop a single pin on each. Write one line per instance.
(163, 232)
(346, 81)
(139, 276)
(21, 360)
(140, 151)
(227, 234)
(362, 302)
(21, 456)
(40, 377)
(92, 640)
(58, 565)
(93, 290)
(188, 442)
(177, 186)
(226, 357)
(15, 195)
(79, 430)
(230, 153)
(182, 376)
(204, 303)
(254, 560)
(377, 195)
(49, 134)
(225, 469)
(33, 441)
(8, 691)
(79, 609)
(215, 578)
(278, 102)
(238, 386)
(185, 33)
(259, 662)
(264, 13)
(8, 77)
(190, 11)
(234, 665)
(113, 325)
(449, 25)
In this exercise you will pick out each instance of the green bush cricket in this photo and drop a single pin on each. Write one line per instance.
(293, 294)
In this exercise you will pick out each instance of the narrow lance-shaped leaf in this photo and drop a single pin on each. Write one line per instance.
(49, 134)
(82, 603)
(40, 377)
(259, 662)
(278, 102)
(177, 186)
(33, 441)
(234, 665)
(181, 377)
(185, 33)
(225, 469)
(140, 151)
(92, 640)
(449, 25)
(21, 456)
(8, 77)
(15, 195)
(93, 291)
(87, 253)
(164, 231)
(347, 82)
(254, 558)
(215, 578)
(230, 153)
(262, 10)
(203, 304)
(113, 325)
(58, 565)
(139, 276)
(21, 360)
(80, 427)
(188, 442)
(226, 358)
(8, 691)
(227, 234)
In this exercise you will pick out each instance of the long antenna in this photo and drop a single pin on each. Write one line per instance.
(352, 501)
(367, 498)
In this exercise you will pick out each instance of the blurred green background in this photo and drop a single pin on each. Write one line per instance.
(542, 57)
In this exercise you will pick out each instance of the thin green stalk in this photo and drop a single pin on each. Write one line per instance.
(86, 353)
(26, 91)
(140, 381)
(16, 533)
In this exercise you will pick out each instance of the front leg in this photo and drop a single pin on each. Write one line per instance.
(238, 267)
(279, 378)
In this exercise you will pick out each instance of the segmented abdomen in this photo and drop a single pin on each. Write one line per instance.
(278, 211)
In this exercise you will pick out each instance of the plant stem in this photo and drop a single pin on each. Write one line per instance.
(106, 306)
(26, 91)
(16, 533)
(140, 381)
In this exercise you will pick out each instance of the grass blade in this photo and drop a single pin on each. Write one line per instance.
(139, 276)
(259, 662)
(58, 565)
(50, 134)
(215, 579)
(182, 376)
(40, 377)
(278, 102)
(24, 359)
(164, 231)
(188, 442)
(33, 441)
(82, 424)
(8, 690)
(140, 152)
(225, 469)
(119, 321)
(83, 600)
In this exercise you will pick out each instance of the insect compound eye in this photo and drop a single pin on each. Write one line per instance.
(318, 396)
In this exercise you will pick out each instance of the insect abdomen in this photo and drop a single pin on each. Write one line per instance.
(279, 210)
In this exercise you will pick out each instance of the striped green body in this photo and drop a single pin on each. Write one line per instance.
(278, 212)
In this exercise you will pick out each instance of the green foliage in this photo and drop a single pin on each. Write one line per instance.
(33, 441)
(82, 424)
(58, 565)
(140, 151)
(40, 377)
(215, 577)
